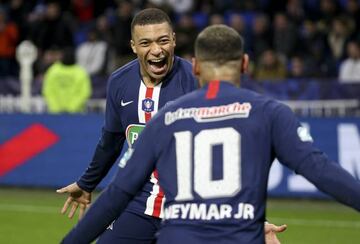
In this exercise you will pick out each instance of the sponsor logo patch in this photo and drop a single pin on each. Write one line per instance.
(132, 133)
(210, 114)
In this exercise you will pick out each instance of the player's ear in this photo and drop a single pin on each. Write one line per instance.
(132, 44)
(245, 63)
(195, 67)
(174, 39)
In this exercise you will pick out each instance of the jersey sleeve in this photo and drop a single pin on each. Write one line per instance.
(294, 148)
(110, 144)
(107, 151)
(112, 116)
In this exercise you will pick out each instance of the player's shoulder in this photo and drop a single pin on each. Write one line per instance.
(182, 63)
(125, 73)
(271, 107)
(182, 71)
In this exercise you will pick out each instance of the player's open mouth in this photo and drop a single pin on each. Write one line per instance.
(158, 66)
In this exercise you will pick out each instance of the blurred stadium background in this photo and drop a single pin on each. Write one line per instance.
(301, 51)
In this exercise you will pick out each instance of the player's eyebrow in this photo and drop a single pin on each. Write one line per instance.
(151, 39)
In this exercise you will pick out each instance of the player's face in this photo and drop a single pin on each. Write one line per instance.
(154, 46)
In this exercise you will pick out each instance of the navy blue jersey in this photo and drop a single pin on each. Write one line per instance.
(213, 152)
(130, 104)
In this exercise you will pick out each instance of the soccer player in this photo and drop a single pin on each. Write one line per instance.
(213, 154)
(135, 93)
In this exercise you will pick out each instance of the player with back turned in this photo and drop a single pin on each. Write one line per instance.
(136, 92)
(213, 156)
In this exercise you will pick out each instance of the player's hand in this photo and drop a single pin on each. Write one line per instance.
(270, 232)
(78, 198)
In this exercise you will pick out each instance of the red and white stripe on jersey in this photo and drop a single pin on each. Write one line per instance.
(145, 92)
(155, 202)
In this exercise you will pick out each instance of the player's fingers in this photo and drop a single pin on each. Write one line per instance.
(83, 200)
(66, 205)
(62, 190)
(73, 209)
(270, 238)
(82, 210)
(280, 228)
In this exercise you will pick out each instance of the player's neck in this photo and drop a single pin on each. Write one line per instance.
(150, 82)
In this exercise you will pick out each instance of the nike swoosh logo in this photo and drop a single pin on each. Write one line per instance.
(125, 103)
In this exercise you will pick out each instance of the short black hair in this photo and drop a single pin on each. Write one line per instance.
(219, 43)
(150, 16)
(68, 57)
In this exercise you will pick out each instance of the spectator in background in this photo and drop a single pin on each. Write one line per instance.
(50, 33)
(285, 35)
(295, 11)
(91, 55)
(338, 37)
(350, 67)
(270, 67)
(186, 33)
(53, 30)
(9, 36)
(83, 10)
(121, 32)
(237, 22)
(181, 6)
(328, 10)
(262, 37)
(314, 45)
(352, 10)
(18, 12)
(216, 19)
(66, 86)
(297, 68)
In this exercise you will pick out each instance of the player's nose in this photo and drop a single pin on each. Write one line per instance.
(155, 49)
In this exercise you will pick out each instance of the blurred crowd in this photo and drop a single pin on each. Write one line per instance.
(285, 38)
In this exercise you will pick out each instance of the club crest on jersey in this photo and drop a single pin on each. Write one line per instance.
(132, 133)
(210, 114)
(148, 105)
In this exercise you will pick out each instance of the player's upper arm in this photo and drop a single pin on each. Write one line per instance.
(291, 141)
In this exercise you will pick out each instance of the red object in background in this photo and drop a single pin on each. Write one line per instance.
(25, 145)
(84, 10)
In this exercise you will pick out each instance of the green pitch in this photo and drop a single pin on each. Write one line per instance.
(32, 216)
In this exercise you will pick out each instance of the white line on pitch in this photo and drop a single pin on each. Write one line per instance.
(29, 208)
(317, 222)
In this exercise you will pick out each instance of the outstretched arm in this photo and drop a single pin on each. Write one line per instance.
(294, 148)
(105, 209)
(106, 153)
(332, 179)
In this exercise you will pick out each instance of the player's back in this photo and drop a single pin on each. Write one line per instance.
(220, 141)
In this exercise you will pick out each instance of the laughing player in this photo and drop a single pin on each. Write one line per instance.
(213, 154)
(135, 93)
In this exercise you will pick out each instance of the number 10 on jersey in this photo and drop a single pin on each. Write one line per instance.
(200, 148)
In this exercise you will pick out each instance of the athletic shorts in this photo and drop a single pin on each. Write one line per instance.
(131, 228)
